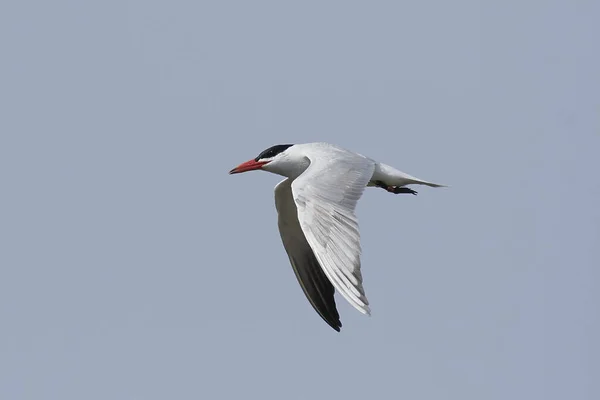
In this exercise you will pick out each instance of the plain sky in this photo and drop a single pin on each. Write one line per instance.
(132, 266)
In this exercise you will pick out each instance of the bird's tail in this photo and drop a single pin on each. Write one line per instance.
(399, 178)
(426, 183)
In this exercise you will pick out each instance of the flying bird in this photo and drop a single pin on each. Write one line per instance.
(316, 216)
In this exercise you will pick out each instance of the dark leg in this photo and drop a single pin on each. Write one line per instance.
(398, 190)
(394, 189)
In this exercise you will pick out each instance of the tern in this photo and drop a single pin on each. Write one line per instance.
(315, 205)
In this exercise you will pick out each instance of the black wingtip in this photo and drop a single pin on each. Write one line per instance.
(336, 325)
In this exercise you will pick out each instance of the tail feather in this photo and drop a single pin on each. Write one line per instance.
(420, 182)
(394, 177)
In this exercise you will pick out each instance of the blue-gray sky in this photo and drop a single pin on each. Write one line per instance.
(134, 267)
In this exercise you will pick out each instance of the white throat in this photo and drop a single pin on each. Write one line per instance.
(290, 164)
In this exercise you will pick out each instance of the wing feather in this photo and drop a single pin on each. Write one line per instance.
(326, 194)
(314, 283)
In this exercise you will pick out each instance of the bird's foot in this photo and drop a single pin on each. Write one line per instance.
(395, 189)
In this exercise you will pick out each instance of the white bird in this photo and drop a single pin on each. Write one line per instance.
(316, 216)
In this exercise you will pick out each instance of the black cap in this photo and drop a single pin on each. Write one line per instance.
(273, 151)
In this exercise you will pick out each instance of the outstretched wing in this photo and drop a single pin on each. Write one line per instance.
(312, 279)
(326, 194)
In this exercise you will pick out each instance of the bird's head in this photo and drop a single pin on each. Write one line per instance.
(273, 156)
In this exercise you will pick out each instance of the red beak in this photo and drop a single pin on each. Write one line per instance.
(247, 166)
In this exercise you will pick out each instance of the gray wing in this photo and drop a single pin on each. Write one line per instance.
(310, 275)
(326, 194)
